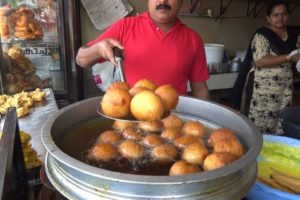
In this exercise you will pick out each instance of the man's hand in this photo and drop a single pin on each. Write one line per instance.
(88, 56)
(200, 90)
(106, 49)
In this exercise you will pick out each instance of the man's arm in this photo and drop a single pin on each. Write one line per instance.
(200, 90)
(88, 56)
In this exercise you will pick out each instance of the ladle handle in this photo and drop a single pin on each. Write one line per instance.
(118, 54)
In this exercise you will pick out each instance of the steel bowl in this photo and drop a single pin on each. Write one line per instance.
(78, 180)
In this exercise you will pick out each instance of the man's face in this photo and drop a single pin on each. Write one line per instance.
(164, 11)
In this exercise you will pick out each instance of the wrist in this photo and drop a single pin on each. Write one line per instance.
(288, 58)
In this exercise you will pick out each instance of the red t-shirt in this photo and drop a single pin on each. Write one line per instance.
(165, 58)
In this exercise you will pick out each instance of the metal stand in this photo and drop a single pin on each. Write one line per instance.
(13, 176)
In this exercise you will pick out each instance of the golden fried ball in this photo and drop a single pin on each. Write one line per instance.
(119, 84)
(134, 90)
(164, 153)
(152, 140)
(195, 153)
(121, 124)
(169, 96)
(109, 136)
(103, 152)
(147, 106)
(172, 121)
(150, 85)
(150, 126)
(193, 128)
(231, 146)
(182, 167)
(170, 134)
(131, 149)
(217, 160)
(132, 133)
(116, 103)
(183, 141)
(221, 134)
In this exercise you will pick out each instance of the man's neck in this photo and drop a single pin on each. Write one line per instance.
(165, 27)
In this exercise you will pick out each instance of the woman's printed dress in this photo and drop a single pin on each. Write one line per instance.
(272, 89)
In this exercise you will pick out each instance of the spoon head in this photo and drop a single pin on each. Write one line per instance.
(130, 117)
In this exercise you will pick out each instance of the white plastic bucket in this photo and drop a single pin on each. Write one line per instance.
(214, 52)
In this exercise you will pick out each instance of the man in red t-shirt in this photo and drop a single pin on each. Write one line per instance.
(157, 46)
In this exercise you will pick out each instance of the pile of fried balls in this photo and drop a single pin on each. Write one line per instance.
(187, 144)
(145, 100)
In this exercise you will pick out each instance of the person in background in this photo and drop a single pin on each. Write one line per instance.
(156, 46)
(268, 68)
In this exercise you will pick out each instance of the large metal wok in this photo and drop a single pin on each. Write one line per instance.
(78, 180)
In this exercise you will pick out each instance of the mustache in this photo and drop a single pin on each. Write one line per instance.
(163, 6)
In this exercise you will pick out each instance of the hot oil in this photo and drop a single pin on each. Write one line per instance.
(143, 166)
(79, 140)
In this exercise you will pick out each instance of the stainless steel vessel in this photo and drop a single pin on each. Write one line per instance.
(77, 180)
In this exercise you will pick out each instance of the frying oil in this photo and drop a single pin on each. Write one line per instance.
(78, 140)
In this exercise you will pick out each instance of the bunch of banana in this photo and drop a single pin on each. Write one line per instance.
(31, 157)
(282, 181)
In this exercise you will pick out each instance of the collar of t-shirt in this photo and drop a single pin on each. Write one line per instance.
(146, 15)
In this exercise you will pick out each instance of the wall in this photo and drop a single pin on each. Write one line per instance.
(234, 29)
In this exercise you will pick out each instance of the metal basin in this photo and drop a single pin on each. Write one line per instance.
(78, 180)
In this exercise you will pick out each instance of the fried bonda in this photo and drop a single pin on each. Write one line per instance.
(119, 84)
(169, 96)
(150, 126)
(172, 121)
(221, 134)
(193, 128)
(182, 167)
(164, 153)
(130, 149)
(152, 140)
(116, 103)
(132, 133)
(109, 136)
(170, 134)
(195, 153)
(121, 124)
(231, 146)
(147, 106)
(217, 160)
(103, 152)
(150, 85)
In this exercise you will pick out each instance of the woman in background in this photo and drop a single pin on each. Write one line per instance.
(269, 84)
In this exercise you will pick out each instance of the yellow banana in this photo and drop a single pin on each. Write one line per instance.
(271, 182)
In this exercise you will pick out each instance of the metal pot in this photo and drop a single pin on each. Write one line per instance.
(78, 180)
(235, 65)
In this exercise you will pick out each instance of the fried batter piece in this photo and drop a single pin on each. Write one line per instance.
(22, 101)
(26, 26)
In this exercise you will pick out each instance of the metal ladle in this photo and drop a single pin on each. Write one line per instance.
(118, 54)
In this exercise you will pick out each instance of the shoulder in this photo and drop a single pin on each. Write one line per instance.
(259, 38)
(132, 20)
(190, 33)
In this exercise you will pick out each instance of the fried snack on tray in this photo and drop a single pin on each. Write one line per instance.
(22, 101)
(4, 22)
(21, 75)
(31, 157)
(26, 26)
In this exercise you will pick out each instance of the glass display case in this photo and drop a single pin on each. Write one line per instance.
(39, 39)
